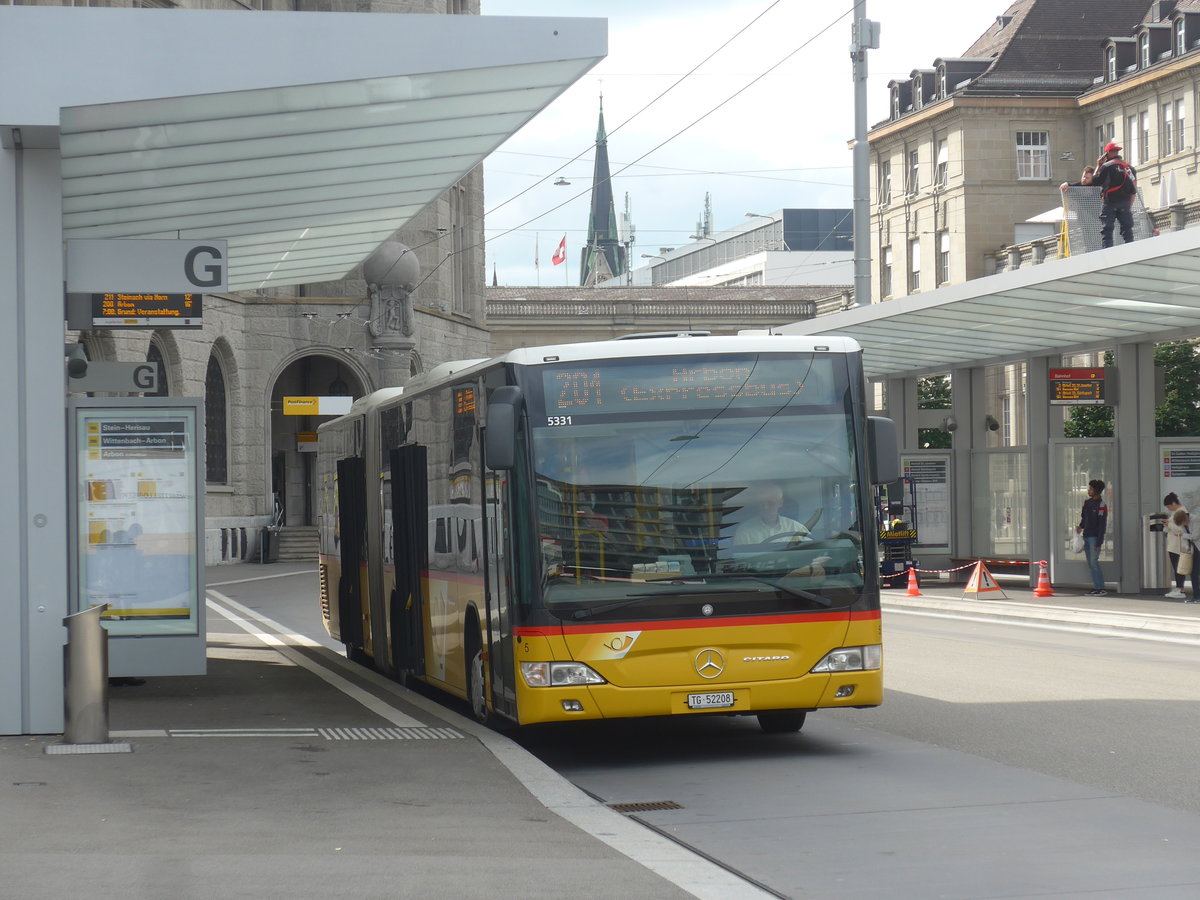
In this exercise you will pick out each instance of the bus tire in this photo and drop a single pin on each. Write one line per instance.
(477, 688)
(781, 722)
(359, 655)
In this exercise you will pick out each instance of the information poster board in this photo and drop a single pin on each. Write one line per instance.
(1181, 473)
(929, 475)
(137, 513)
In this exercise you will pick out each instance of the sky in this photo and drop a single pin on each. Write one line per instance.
(781, 142)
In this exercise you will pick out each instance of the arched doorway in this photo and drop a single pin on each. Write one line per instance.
(292, 438)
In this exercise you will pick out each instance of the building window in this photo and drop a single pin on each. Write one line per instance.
(885, 182)
(216, 459)
(1133, 146)
(885, 273)
(1105, 133)
(914, 173)
(895, 101)
(941, 168)
(1033, 155)
(460, 268)
(942, 92)
(1166, 129)
(1110, 63)
(918, 93)
(914, 265)
(1144, 50)
(1144, 134)
(943, 257)
(1180, 37)
(1180, 129)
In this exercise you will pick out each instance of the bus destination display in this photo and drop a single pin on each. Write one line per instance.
(589, 389)
(147, 310)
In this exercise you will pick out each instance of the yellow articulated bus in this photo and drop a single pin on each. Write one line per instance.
(650, 526)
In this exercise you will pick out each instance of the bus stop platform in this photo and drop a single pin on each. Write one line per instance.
(287, 772)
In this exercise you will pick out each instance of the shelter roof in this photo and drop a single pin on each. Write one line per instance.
(1145, 291)
(304, 140)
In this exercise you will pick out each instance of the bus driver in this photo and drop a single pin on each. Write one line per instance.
(767, 523)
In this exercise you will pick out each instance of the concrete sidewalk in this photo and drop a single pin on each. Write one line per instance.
(288, 772)
(1129, 615)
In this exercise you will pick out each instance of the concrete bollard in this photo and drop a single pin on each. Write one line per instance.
(85, 675)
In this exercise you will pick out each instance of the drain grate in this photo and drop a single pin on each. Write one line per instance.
(387, 734)
(64, 749)
(647, 806)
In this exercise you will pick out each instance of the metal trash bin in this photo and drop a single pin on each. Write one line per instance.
(85, 675)
(1154, 552)
(268, 545)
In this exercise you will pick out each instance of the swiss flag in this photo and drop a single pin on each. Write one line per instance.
(560, 255)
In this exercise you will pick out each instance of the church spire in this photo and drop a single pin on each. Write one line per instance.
(603, 255)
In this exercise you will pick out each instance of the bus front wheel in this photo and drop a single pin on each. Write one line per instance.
(476, 690)
(781, 722)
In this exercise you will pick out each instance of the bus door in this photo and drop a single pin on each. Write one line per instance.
(352, 527)
(410, 551)
(498, 628)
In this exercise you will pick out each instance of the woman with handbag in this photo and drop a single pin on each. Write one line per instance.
(1175, 544)
(1187, 558)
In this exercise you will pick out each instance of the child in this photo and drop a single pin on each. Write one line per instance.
(1187, 561)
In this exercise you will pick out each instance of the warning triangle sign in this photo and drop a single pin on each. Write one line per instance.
(982, 583)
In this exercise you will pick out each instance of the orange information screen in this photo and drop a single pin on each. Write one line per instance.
(1077, 387)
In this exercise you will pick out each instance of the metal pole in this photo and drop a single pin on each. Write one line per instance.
(865, 36)
(85, 671)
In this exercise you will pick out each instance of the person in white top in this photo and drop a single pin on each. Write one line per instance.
(768, 522)
(1188, 540)
(1175, 544)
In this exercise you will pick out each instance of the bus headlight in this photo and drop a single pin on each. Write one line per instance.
(851, 659)
(559, 674)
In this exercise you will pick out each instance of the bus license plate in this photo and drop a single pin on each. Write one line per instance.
(710, 701)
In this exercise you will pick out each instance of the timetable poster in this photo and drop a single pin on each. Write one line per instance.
(930, 479)
(137, 518)
(1181, 473)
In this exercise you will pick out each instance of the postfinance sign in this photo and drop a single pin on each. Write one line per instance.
(316, 406)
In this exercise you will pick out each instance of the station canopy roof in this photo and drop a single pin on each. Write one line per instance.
(303, 139)
(1145, 291)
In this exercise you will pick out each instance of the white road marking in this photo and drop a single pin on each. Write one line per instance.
(264, 577)
(285, 643)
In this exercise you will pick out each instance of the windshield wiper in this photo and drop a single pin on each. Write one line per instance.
(790, 591)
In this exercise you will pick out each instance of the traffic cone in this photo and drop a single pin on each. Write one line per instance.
(1043, 585)
(913, 590)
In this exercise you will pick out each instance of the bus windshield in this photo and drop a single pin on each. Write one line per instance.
(726, 484)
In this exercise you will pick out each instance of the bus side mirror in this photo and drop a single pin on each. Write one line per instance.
(883, 450)
(500, 438)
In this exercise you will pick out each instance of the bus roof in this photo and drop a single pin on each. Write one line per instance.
(680, 345)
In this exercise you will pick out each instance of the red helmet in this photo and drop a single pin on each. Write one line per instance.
(1110, 147)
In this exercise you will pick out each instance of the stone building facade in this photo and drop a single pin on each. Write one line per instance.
(535, 316)
(976, 144)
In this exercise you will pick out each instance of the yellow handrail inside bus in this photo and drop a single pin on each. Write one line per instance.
(579, 553)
